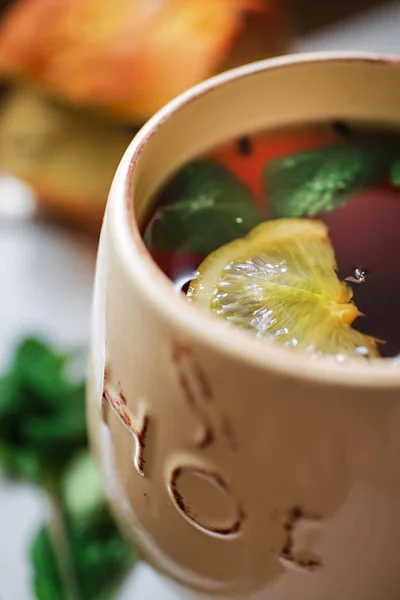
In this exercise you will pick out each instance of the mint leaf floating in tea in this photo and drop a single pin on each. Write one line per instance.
(42, 412)
(318, 181)
(205, 207)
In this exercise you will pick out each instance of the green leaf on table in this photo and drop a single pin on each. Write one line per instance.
(79, 555)
(47, 583)
(42, 412)
(40, 367)
(206, 207)
(317, 181)
(98, 558)
(82, 489)
(99, 554)
(22, 463)
(101, 557)
(11, 401)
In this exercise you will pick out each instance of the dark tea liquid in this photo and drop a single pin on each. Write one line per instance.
(364, 229)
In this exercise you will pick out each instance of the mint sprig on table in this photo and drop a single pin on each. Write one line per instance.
(42, 413)
(94, 554)
(316, 181)
(78, 554)
(207, 206)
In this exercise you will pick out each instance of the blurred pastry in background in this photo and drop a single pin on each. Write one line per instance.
(83, 75)
(68, 155)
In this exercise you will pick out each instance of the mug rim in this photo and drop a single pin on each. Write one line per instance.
(189, 320)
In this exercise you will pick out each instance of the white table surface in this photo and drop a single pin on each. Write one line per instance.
(46, 279)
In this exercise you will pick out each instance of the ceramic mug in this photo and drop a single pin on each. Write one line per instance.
(242, 469)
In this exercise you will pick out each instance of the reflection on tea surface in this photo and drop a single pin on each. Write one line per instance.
(292, 235)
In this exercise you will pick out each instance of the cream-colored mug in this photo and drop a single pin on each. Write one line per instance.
(239, 468)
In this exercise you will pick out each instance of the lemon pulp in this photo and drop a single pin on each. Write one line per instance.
(280, 282)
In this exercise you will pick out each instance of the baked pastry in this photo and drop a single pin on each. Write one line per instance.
(89, 71)
(68, 155)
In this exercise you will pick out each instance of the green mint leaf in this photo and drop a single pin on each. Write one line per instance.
(82, 488)
(206, 207)
(11, 401)
(395, 173)
(47, 584)
(101, 557)
(84, 555)
(23, 463)
(41, 369)
(42, 412)
(55, 429)
(79, 555)
(318, 181)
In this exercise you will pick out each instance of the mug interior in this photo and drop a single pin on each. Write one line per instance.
(284, 92)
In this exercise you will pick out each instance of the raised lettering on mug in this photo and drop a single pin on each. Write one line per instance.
(137, 426)
(204, 499)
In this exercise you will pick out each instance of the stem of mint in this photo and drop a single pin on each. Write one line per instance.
(59, 537)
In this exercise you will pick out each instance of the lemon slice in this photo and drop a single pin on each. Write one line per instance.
(280, 282)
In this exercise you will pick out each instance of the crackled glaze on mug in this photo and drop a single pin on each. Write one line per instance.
(240, 469)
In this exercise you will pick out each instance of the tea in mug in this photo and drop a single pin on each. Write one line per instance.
(292, 235)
